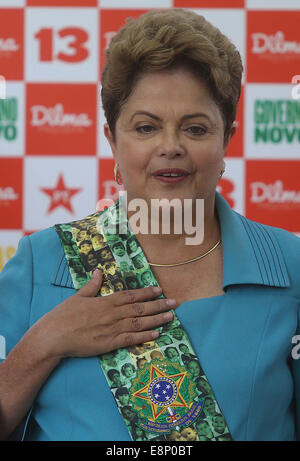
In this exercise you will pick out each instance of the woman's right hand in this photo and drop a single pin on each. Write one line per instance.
(85, 325)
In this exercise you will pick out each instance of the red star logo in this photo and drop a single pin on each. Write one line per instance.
(60, 195)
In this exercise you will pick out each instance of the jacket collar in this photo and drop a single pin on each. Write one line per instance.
(251, 254)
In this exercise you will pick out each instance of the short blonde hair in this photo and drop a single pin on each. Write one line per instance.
(165, 40)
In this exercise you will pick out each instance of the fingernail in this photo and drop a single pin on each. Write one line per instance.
(156, 290)
(171, 302)
(95, 273)
(168, 316)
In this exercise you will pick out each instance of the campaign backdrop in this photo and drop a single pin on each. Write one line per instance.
(55, 163)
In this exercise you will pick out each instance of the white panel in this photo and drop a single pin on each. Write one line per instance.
(104, 150)
(273, 4)
(235, 174)
(44, 172)
(55, 20)
(231, 22)
(12, 3)
(12, 118)
(140, 4)
(281, 125)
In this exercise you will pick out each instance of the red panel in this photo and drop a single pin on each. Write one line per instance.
(11, 193)
(61, 119)
(11, 43)
(62, 3)
(209, 3)
(273, 193)
(273, 46)
(110, 23)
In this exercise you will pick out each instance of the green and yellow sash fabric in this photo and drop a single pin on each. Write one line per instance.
(159, 387)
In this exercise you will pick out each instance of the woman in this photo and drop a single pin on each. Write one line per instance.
(170, 88)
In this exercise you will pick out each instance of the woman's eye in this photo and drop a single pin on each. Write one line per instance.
(196, 130)
(144, 129)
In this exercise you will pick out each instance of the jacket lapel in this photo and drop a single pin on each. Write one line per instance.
(61, 275)
(251, 253)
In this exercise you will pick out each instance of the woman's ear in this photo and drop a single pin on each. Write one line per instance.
(110, 138)
(231, 133)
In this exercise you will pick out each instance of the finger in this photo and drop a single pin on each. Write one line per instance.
(132, 296)
(140, 309)
(131, 339)
(136, 324)
(92, 287)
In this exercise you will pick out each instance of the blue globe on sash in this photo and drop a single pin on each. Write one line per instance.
(162, 391)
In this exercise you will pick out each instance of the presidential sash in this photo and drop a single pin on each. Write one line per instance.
(159, 387)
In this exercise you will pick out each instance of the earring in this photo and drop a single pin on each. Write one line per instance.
(223, 170)
(117, 174)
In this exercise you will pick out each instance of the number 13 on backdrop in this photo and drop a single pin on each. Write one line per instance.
(65, 48)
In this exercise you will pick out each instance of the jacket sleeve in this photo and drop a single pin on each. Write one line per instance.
(296, 373)
(16, 283)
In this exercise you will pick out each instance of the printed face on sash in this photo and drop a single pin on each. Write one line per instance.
(132, 283)
(92, 260)
(105, 255)
(85, 247)
(128, 370)
(97, 241)
(132, 246)
(119, 249)
(189, 434)
(194, 368)
(218, 423)
(172, 354)
(177, 333)
(203, 386)
(204, 429)
(122, 395)
(209, 407)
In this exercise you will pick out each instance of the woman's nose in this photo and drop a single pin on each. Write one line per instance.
(170, 145)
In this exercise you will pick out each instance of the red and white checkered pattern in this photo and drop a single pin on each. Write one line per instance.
(55, 163)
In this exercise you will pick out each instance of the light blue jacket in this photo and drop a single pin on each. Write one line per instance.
(243, 338)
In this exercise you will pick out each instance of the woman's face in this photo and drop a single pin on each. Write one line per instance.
(92, 260)
(124, 399)
(172, 354)
(204, 429)
(194, 369)
(209, 406)
(189, 434)
(111, 270)
(133, 284)
(128, 372)
(204, 386)
(119, 286)
(169, 121)
(184, 349)
(133, 246)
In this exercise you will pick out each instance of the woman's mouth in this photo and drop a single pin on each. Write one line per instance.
(170, 175)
